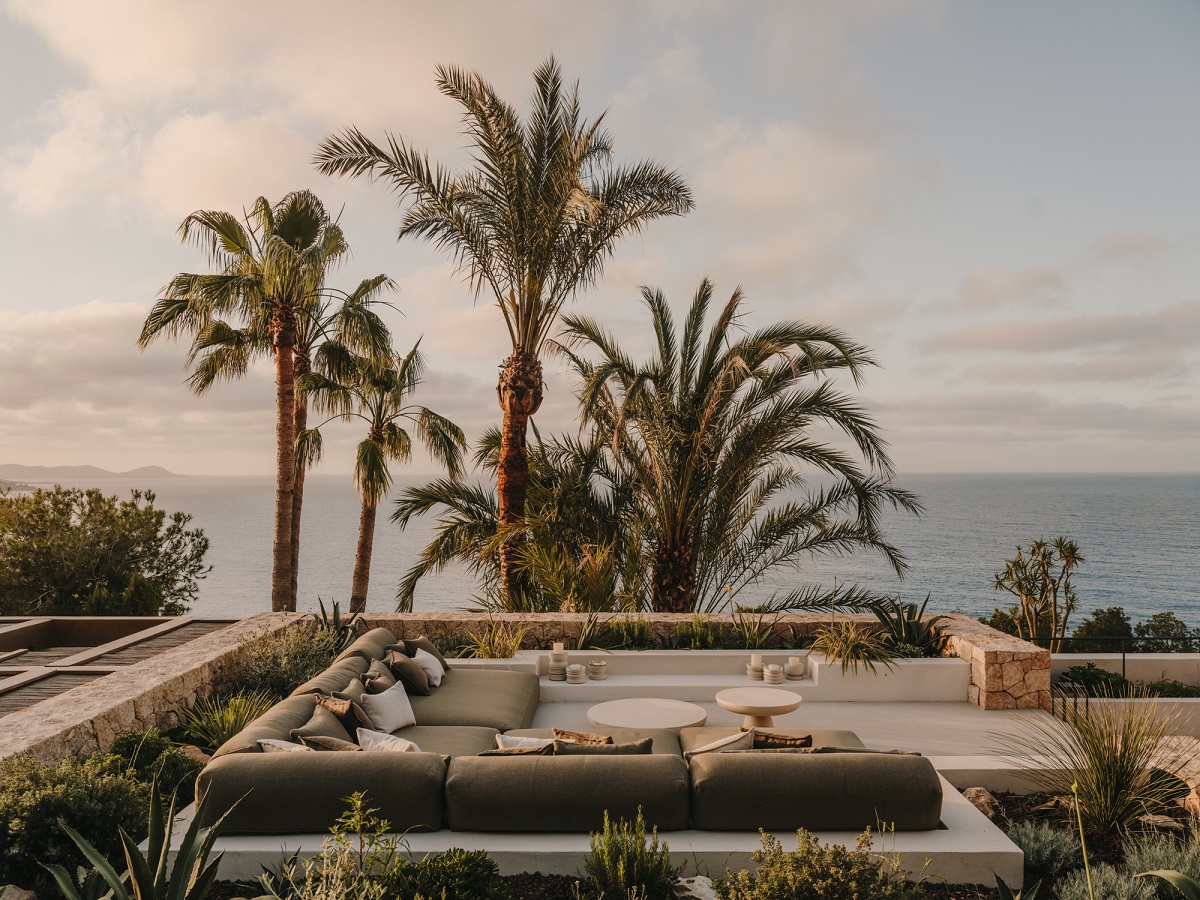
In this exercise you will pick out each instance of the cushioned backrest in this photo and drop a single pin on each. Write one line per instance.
(304, 793)
(336, 678)
(276, 723)
(783, 791)
(369, 646)
(492, 698)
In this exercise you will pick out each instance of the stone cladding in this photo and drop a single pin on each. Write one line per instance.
(1006, 672)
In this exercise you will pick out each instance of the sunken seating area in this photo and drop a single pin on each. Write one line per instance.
(708, 779)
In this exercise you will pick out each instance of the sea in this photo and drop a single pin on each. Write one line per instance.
(1139, 535)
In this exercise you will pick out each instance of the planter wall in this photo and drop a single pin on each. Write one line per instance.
(1183, 667)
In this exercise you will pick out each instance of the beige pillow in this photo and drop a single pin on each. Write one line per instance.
(271, 745)
(632, 748)
(743, 740)
(543, 750)
(377, 740)
(511, 741)
(389, 711)
(321, 742)
(581, 737)
(410, 646)
(428, 662)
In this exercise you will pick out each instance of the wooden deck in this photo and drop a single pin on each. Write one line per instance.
(26, 695)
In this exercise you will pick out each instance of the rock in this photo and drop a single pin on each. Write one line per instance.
(1160, 823)
(698, 888)
(982, 800)
(195, 753)
(12, 892)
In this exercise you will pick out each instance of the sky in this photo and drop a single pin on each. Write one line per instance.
(1000, 199)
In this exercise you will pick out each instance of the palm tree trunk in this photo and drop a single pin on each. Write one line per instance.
(302, 367)
(673, 583)
(284, 331)
(519, 391)
(362, 558)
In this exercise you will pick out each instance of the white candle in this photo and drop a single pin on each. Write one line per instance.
(793, 660)
(558, 646)
(756, 659)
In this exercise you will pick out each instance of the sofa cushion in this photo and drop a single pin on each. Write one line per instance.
(450, 740)
(369, 646)
(783, 791)
(304, 793)
(493, 698)
(336, 678)
(433, 669)
(324, 723)
(383, 742)
(378, 677)
(774, 740)
(694, 738)
(666, 741)
(565, 793)
(741, 741)
(538, 750)
(354, 691)
(389, 711)
(349, 713)
(410, 646)
(321, 742)
(641, 747)
(407, 672)
(581, 737)
(276, 723)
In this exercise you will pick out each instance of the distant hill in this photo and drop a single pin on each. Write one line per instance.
(14, 486)
(43, 474)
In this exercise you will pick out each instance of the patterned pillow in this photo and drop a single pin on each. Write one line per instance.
(349, 713)
(767, 740)
(631, 748)
(581, 737)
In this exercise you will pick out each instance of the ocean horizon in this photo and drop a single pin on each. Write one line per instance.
(1139, 535)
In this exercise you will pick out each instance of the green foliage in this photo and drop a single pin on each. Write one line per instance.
(1092, 680)
(1189, 887)
(854, 645)
(96, 795)
(155, 759)
(1006, 893)
(499, 640)
(1048, 851)
(344, 630)
(627, 864)
(1100, 632)
(276, 663)
(1040, 578)
(630, 633)
(1169, 687)
(906, 629)
(67, 551)
(1160, 852)
(816, 872)
(451, 644)
(1107, 883)
(149, 876)
(1111, 755)
(1164, 632)
(214, 720)
(457, 873)
(699, 634)
(752, 631)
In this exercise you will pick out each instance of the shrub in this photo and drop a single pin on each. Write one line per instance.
(853, 645)
(343, 630)
(1096, 633)
(1164, 632)
(155, 759)
(214, 720)
(1107, 883)
(499, 640)
(1115, 752)
(1093, 681)
(1040, 578)
(1169, 687)
(1048, 851)
(623, 864)
(276, 663)
(630, 633)
(1164, 852)
(815, 872)
(95, 795)
(699, 634)
(457, 873)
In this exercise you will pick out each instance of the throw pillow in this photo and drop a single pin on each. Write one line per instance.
(389, 711)
(377, 740)
(581, 737)
(320, 742)
(410, 646)
(632, 748)
(864, 750)
(767, 740)
(408, 673)
(743, 740)
(322, 722)
(544, 750)
(270, 745)
(378, 678)
(349, 713)
(429, 663)
(509, 741)
(353, 691)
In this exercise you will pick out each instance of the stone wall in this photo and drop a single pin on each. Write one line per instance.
(145, 695)
(1006, 672)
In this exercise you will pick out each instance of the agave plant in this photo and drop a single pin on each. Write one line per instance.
(905, 624)
(148, 876)
(332, 623)
(853, 645)
(214, 720)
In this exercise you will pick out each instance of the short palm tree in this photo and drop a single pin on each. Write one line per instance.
(531, 223)
(713, 432)
(376, 390)
(271, 263)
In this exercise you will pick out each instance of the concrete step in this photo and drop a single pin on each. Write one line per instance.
(671, 687)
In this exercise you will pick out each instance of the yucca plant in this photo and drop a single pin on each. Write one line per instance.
(345, 631)
(593, 633)
(499, 640)
(853, 645)
(214, 720)
(753, 630)
(148, 876)
(904, 624)
(1113, 755)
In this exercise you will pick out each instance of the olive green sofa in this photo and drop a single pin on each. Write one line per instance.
(838, 785)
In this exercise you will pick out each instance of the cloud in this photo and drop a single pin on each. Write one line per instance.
(988, 289)
(1122, 247)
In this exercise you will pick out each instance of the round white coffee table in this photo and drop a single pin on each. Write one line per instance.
(647, 712)
(758, 704)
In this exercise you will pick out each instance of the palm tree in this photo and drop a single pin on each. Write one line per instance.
(713, 430)
(375, 389)
(271, 265)
(222, 351)
(532, 223)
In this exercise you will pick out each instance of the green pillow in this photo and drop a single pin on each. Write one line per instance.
(378, 677)
(323, 723)
(321, 742)
(413, 677)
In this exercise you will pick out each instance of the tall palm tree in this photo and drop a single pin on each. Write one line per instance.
(375, 389)
(713, 429)
(222, 351)
(271, 264)
(531, 223)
